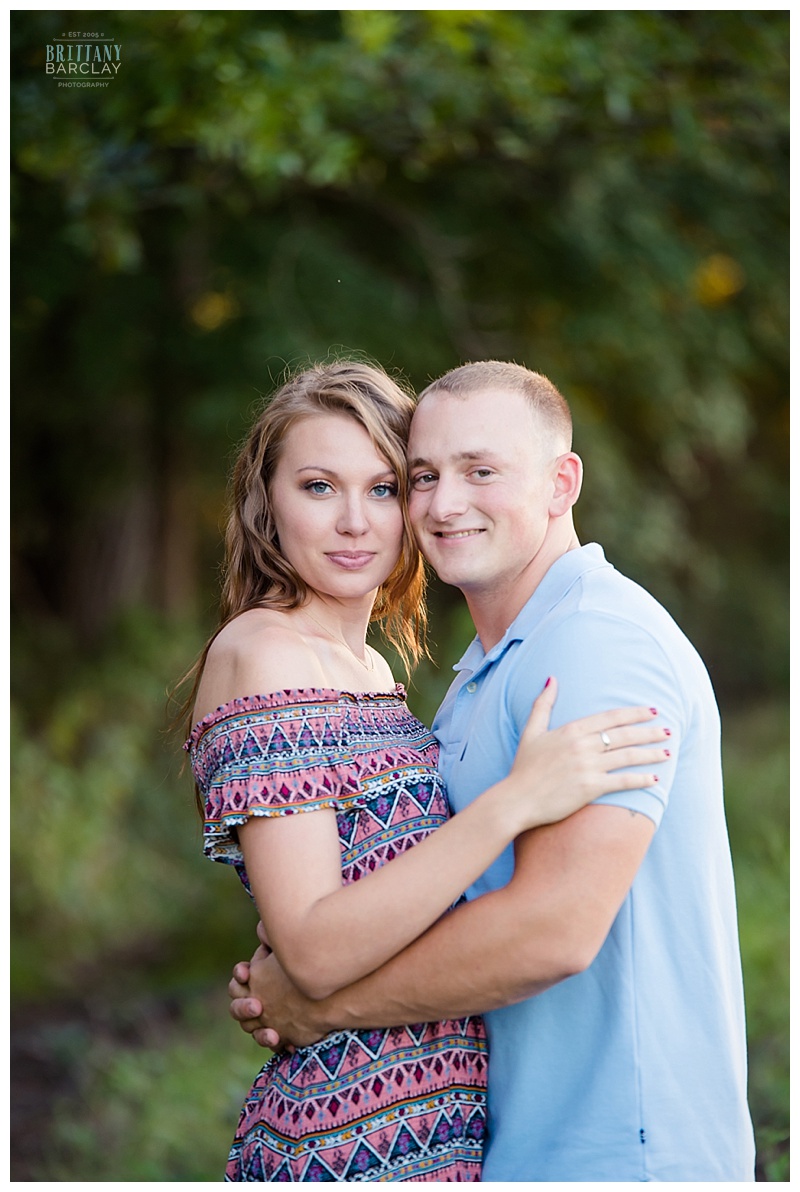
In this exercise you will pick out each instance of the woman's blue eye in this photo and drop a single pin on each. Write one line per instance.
(385, 490)
(320, 487)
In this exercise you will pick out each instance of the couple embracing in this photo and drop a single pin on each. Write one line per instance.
(545, 985)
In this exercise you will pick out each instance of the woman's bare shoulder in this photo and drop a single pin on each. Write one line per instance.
(258, 652)
(256, 623)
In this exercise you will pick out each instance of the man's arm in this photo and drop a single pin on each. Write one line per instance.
(549, 923)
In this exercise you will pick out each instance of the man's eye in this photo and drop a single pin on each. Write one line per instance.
(422, 479)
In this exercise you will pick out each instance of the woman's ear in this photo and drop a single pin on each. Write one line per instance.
(567, 480)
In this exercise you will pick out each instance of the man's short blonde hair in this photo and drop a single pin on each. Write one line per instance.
(481, 375)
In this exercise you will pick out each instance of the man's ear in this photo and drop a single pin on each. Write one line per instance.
(567, 480)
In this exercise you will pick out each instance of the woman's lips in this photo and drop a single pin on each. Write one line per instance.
(351, 560)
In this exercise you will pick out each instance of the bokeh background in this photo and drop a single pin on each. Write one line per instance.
(602, 196)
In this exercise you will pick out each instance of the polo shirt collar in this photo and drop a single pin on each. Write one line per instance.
(558, 580)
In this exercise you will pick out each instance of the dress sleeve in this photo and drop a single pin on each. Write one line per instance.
(272, 762)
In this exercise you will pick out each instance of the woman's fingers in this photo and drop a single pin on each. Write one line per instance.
(625, 780)
(616, 718)
(539, 718)
(612, 739)
(635, 755)
(615, 729)
(604, 731)
(585, 759)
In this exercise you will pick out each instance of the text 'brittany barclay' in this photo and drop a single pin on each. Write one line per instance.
(83, 59)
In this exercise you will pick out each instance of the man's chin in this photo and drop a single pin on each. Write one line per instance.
(457, 577)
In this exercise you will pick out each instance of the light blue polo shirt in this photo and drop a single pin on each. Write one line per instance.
(636, 1068)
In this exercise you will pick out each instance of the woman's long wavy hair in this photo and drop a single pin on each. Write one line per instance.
(255, 574)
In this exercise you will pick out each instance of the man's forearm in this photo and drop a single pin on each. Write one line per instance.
(461, 966)
(547, 924)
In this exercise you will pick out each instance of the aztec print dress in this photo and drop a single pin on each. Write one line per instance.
(406, 1103)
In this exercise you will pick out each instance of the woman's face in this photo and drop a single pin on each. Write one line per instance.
(336, 507)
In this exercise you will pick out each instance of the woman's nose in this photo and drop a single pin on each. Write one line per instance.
(353, 517)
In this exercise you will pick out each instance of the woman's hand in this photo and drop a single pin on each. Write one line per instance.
(557, 772)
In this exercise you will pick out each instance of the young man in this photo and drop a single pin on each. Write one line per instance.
(603, 950)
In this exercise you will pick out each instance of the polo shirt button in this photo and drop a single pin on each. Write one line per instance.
(473, 686)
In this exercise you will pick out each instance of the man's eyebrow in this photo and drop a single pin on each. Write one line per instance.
(461, 457)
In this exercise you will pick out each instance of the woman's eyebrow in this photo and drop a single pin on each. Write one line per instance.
(387, 471)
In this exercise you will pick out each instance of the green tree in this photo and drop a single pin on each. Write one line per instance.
(601, 195)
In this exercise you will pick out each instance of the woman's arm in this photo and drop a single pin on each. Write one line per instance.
(327, 936)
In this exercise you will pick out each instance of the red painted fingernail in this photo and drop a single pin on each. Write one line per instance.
(654, 711)
(667, 753)
(656, 777)
(549, 681)
(667, 732)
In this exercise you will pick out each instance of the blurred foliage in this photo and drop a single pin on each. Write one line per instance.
(600, 195)
(756, 758)
(105, 840)
(134, 1109)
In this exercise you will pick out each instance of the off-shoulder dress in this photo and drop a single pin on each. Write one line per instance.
(406, 1103)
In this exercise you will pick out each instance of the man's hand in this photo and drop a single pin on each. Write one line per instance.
(246, 1009)
(267, 1005)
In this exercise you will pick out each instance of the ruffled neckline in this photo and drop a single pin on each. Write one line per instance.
(255, 703)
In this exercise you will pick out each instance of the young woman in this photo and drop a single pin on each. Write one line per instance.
(314, 775)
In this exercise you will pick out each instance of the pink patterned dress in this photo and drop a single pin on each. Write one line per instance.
(406, 1103)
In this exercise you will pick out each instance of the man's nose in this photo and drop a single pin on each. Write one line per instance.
(447, 499)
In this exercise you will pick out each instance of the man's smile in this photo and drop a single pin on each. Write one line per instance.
(455, 533)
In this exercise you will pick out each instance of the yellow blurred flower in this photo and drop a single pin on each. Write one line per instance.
(716, 279)
(213, 309)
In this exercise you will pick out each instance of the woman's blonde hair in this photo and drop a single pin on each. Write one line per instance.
(255, 574)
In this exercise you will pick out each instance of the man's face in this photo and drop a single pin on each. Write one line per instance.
(481, 484)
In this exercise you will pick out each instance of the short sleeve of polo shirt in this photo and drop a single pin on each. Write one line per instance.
(602, 662)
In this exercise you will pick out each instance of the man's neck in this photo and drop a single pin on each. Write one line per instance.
(493, 610)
